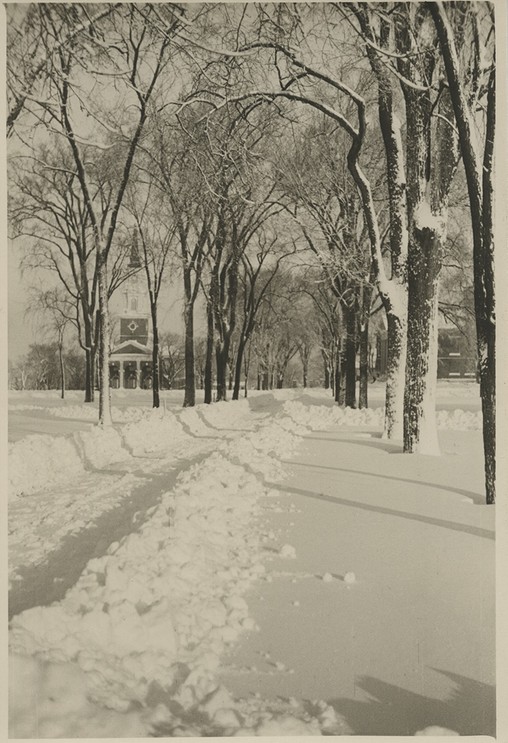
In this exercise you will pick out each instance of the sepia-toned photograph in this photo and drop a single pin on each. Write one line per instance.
(252, 368)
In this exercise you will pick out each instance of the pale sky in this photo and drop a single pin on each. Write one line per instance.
(20, 333)
(22, 330)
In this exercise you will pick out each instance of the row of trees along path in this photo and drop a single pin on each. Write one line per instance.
(232, 140)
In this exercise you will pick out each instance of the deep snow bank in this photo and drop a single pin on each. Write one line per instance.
(320, 416)
(151, 619)
(36, 462)
(155, 431)
(39, 462)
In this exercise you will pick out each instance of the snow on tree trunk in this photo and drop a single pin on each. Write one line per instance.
(366, 299)
(431, 156)
(395, 377)
(326, 369)
(424, 265)
(393, 292)
(478, 165)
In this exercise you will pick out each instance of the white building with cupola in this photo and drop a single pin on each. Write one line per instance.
(131, 357)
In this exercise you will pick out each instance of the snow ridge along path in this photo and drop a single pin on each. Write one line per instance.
(136, 646)
(154, 614)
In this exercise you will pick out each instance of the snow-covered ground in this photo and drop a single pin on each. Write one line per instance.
(264, 567)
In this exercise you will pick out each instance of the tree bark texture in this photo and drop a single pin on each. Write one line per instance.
(431, 158)
(238, 367)
(189, 399)
(89, 374)
(209, 354)
(105, 419)
(480, 189)
(62, 370)
(155, 357)
(363, 386)
(350, 356)
(395, 377)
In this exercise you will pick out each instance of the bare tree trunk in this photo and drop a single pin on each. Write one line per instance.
(246, 369)
(105, 419)
(350, 357)
(89, 375)
(338, 388)
(90, 349)
(363, 393)
(209, 354)
(190, 385)
(221, 356)
(62, 370)
(230, 374)
(238, 367)
(155, 357)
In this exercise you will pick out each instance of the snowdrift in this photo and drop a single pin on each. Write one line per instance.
(56, 460)
(152, 617)
(134, 647)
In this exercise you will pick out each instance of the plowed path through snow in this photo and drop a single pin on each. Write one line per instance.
(48, 580)
(409, 643)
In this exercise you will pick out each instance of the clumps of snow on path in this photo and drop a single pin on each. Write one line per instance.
(157, 431)
(151, 618)
(224, 415)
(134, 647)
(287, 552)
(168, 594)
(49, 700)
(155, 614)
(100, 447)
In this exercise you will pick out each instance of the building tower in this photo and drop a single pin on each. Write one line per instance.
(131, 358)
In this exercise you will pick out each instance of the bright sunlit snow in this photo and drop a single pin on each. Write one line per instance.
(265, 567)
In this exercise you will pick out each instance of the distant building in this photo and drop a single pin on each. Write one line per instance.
(456, 358)
(131, 359)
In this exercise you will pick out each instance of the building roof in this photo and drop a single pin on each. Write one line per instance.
(131, 347)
